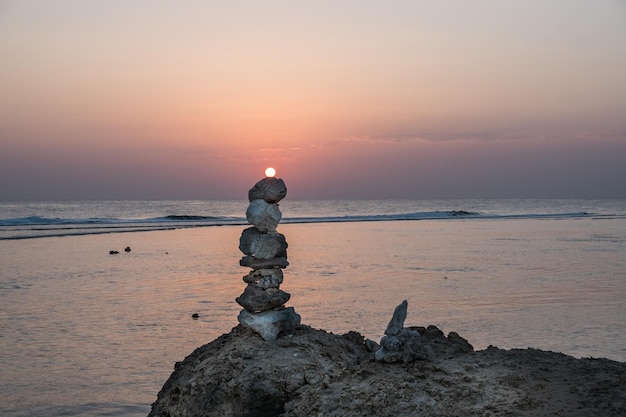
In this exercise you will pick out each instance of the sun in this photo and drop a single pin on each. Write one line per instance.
(270, 172)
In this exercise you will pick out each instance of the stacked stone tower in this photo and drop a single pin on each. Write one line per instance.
(265, 251)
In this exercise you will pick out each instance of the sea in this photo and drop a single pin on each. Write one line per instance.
(99, 299)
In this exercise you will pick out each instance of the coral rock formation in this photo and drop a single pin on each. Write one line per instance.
(314, 373)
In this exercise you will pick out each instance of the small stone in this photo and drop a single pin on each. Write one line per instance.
(405, 347)
(258, 299)
(397, 321)
(269, 324)
(265, 278)
(254, 263)
(269, 189)
(261, 245)
(263, 215)
(113, 252)
(127, 249)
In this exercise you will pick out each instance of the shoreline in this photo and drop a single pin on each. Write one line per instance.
(312, 372)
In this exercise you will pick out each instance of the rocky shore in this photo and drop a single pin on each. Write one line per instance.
(271, 365)
(314, 373)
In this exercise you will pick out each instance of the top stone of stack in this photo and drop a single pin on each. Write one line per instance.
(269, 189)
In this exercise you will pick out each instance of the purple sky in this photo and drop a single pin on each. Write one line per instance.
(353, 99)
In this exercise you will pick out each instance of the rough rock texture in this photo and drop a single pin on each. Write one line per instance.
(271, 323)
(262, 245)
(396, 324)
(314, 373)
(263, 215)
(265, 251)
(255, 298)
(254, 263)
(265, 278)
(271, 190)
(408, 344)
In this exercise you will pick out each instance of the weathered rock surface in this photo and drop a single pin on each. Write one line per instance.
(255, 298)
(408, 344)
(254, 263)
(396, 324)
(270, 189)
(261, 245)
(263, 215)
(314, 373)
(265, 278)
(265, 252)
(270, 324)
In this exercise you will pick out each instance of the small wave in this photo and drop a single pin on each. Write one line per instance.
(385, 217)
(31, 221)
(52, 221)
(37, 226)
(55, 221)
(462, 213)
(187, 217)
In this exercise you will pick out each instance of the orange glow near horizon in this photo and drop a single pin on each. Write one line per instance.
(425, 92)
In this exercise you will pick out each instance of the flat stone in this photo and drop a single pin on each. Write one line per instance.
(270, 189)
(265, 278)
(261, 245)
(255, 263)
(258, 299)
(263, 215)
(269, 324)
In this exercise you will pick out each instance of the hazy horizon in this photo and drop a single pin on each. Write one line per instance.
(245, 200)
(164, 100)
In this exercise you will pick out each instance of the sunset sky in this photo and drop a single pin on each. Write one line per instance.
(352, 99)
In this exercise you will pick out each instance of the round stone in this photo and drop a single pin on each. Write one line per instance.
(269, 189)
(261, 245)
(263, 215)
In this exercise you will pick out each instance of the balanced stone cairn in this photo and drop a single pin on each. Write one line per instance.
(265, 252)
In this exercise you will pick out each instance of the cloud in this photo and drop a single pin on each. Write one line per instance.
(512, 135)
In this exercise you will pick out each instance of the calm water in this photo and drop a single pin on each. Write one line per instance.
(86, 333)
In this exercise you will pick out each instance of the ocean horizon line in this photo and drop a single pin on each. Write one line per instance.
(47, 219)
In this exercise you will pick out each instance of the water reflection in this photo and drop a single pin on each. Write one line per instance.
(77, 322)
